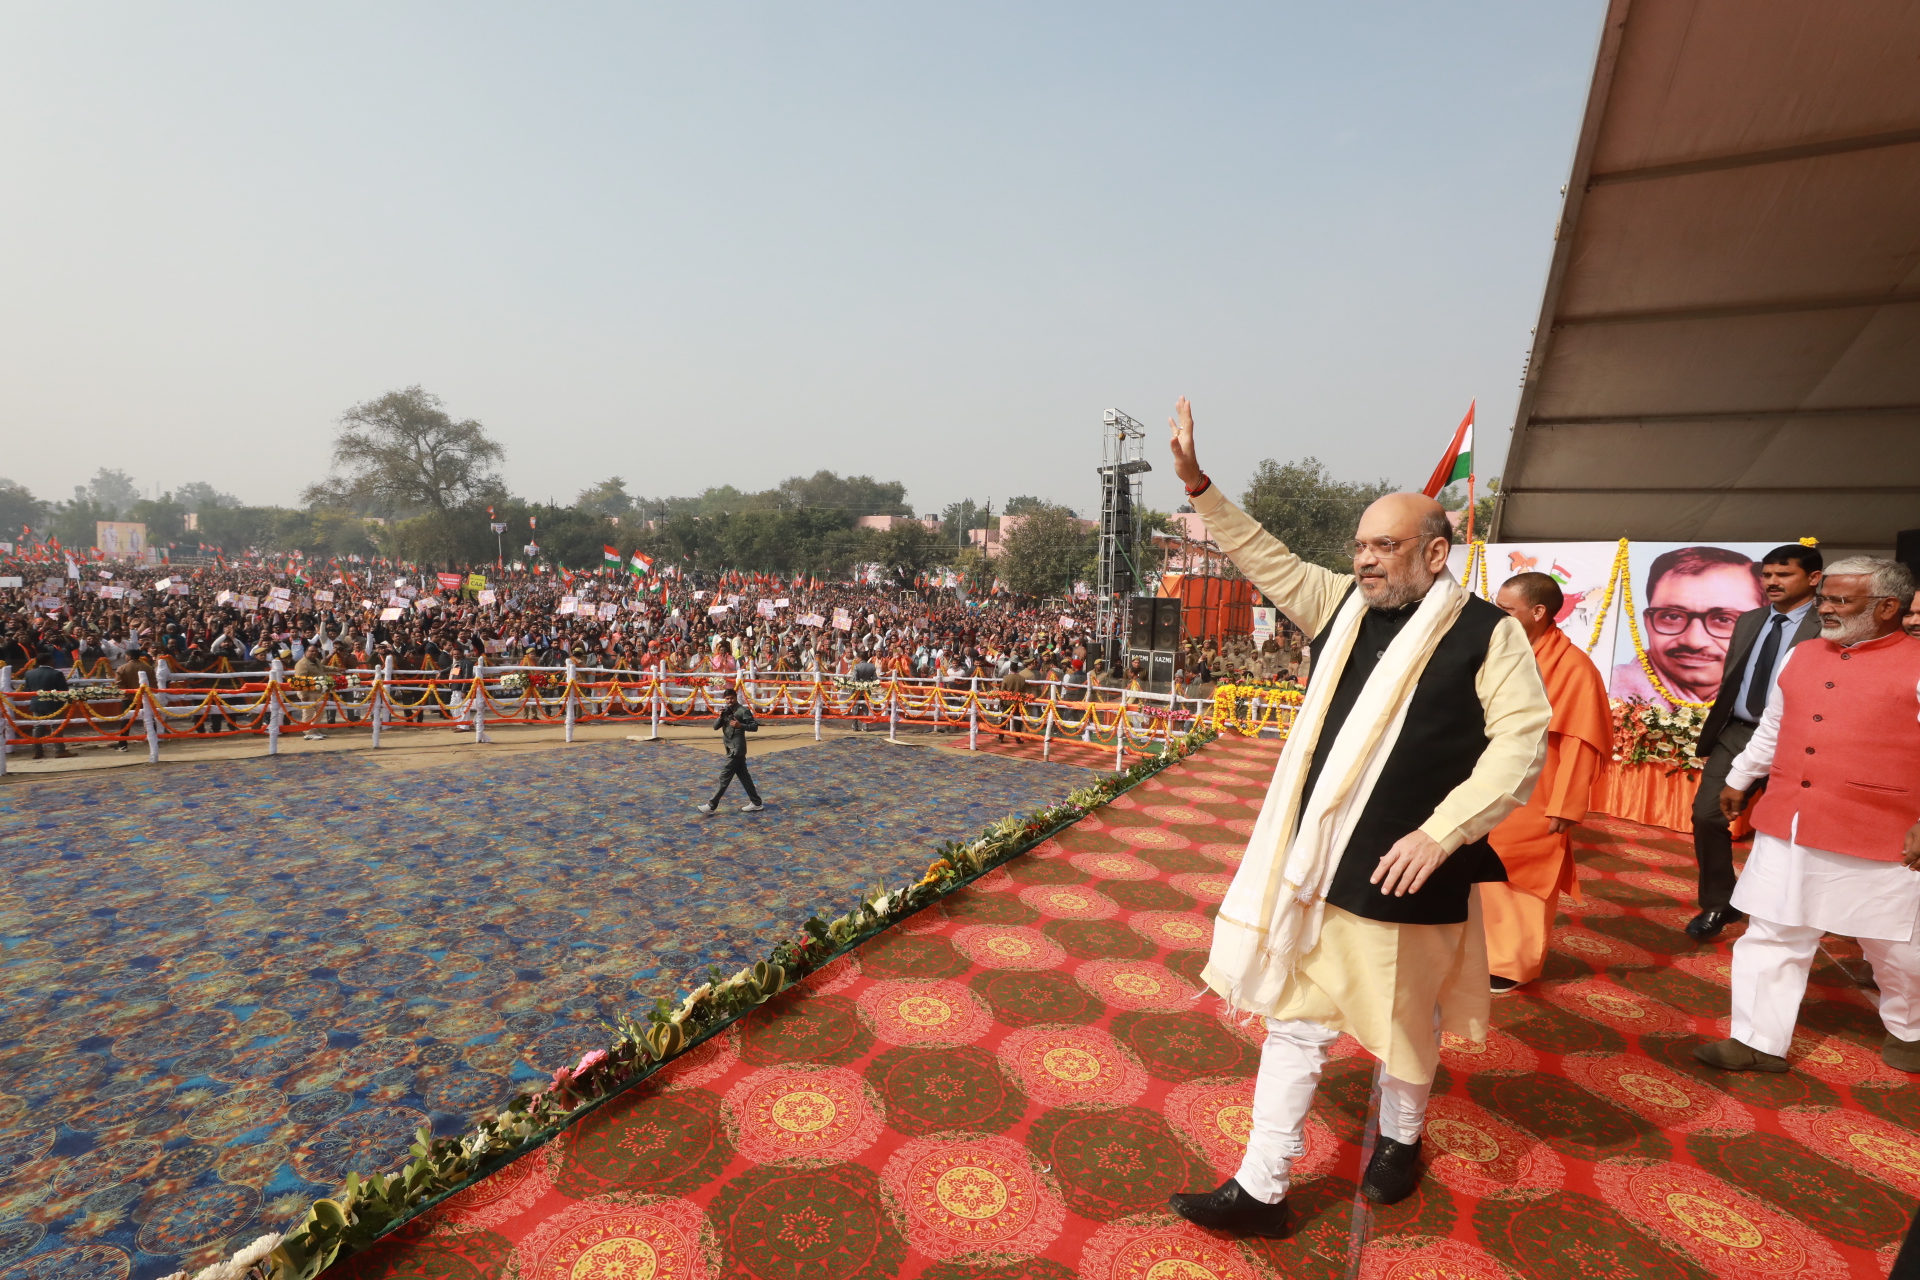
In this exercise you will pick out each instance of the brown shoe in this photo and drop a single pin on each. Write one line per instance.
(1901, 1055)
(1731, 1055)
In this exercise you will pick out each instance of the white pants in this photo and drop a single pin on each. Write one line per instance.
(1770, 964)
(1290, 1064)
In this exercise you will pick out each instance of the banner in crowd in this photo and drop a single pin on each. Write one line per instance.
(1656, 617)
(120, 538)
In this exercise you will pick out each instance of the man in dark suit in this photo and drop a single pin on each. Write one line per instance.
(1761, 641)
(735, 723)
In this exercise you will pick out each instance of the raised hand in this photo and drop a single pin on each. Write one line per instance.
(1180, 440)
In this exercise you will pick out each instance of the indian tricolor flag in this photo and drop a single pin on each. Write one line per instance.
(639, 566)
(1457, 464)
(611, 556)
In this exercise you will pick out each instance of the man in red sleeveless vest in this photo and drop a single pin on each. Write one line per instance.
(1838, 830)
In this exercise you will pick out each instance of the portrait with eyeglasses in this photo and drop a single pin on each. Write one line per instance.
(1691, 599)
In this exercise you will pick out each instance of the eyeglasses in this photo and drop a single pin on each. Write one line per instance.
(1672, 622)
(1843, 601)
(1382, 547)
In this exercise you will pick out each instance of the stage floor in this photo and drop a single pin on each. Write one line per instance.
(226, 984)
(1010, 1084)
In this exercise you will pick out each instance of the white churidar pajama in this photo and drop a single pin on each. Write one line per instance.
(1792, 894)
(1290, 1065)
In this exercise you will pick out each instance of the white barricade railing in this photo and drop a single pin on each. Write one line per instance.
(180, 705)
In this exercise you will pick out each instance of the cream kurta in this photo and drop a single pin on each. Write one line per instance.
(1382, 982)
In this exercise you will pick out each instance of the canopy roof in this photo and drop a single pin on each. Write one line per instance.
(1729, 345)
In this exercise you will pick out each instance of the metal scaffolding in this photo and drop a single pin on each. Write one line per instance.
(1120, 532)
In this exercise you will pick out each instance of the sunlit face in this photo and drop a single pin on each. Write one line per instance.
(1786, 585)
(1393, 581)
(1533, 618)
(1849, 613)
(1692, 656)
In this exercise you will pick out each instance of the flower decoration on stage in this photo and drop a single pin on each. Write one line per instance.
(366, 1209)
(83, 693)
(1644, 733)
(1249, 707)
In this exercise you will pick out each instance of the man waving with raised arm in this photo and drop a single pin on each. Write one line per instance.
(1354, 908)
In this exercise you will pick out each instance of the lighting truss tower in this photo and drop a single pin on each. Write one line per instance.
(1120, 504)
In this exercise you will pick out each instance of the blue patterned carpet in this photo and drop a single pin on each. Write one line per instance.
(225, 985)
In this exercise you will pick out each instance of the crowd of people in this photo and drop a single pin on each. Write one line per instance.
(117, 623)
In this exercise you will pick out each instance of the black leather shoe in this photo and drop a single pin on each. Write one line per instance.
(1229, 1208)
(1393, 1172)
(1706, 926)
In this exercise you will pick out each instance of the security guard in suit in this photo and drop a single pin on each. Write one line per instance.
(1762, 638)
(735, 723)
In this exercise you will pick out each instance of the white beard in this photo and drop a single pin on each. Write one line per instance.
(1851, 631)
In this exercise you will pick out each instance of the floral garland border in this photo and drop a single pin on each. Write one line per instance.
(1232, 705)
(368, 1209)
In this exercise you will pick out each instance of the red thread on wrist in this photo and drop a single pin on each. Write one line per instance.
(1205, 480)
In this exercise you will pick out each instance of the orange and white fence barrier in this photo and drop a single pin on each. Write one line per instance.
(174, 707)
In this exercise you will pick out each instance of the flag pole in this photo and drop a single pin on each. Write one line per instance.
(1469, 508)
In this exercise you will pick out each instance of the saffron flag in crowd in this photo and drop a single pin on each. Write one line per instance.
(1458, 462)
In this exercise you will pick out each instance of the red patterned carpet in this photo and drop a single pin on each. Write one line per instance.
(1011, 1084)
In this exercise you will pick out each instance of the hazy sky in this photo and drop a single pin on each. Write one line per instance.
(706, 244)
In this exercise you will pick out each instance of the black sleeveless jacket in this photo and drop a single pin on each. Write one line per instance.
(1440, 742)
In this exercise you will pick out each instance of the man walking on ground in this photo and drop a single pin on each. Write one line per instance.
(1837, 834)
(1762, 639)
(1354, 907)
(1533, 843)
(735, 723)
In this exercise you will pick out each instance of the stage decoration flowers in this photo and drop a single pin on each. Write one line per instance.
(83, 693)
(1644, 733)
(1251, 706)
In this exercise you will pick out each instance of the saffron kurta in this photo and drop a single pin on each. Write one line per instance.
(1519, 914)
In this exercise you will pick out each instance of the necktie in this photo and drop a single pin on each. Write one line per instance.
(1760, 683)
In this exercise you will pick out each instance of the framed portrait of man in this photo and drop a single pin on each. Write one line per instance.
(1686, 599)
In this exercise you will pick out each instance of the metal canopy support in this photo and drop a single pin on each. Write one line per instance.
(1120, 501)
(1725, 344)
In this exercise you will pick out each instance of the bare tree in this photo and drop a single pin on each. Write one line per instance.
(403, 452)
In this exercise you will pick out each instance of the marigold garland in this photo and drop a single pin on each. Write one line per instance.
(1614, 578)
(1233, 706)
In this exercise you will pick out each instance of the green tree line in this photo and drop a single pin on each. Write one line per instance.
(411, 482)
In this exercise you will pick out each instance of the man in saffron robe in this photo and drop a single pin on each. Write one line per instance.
(1533, 841)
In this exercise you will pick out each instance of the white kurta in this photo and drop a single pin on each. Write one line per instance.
(1793, 894)
(1792, 884)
